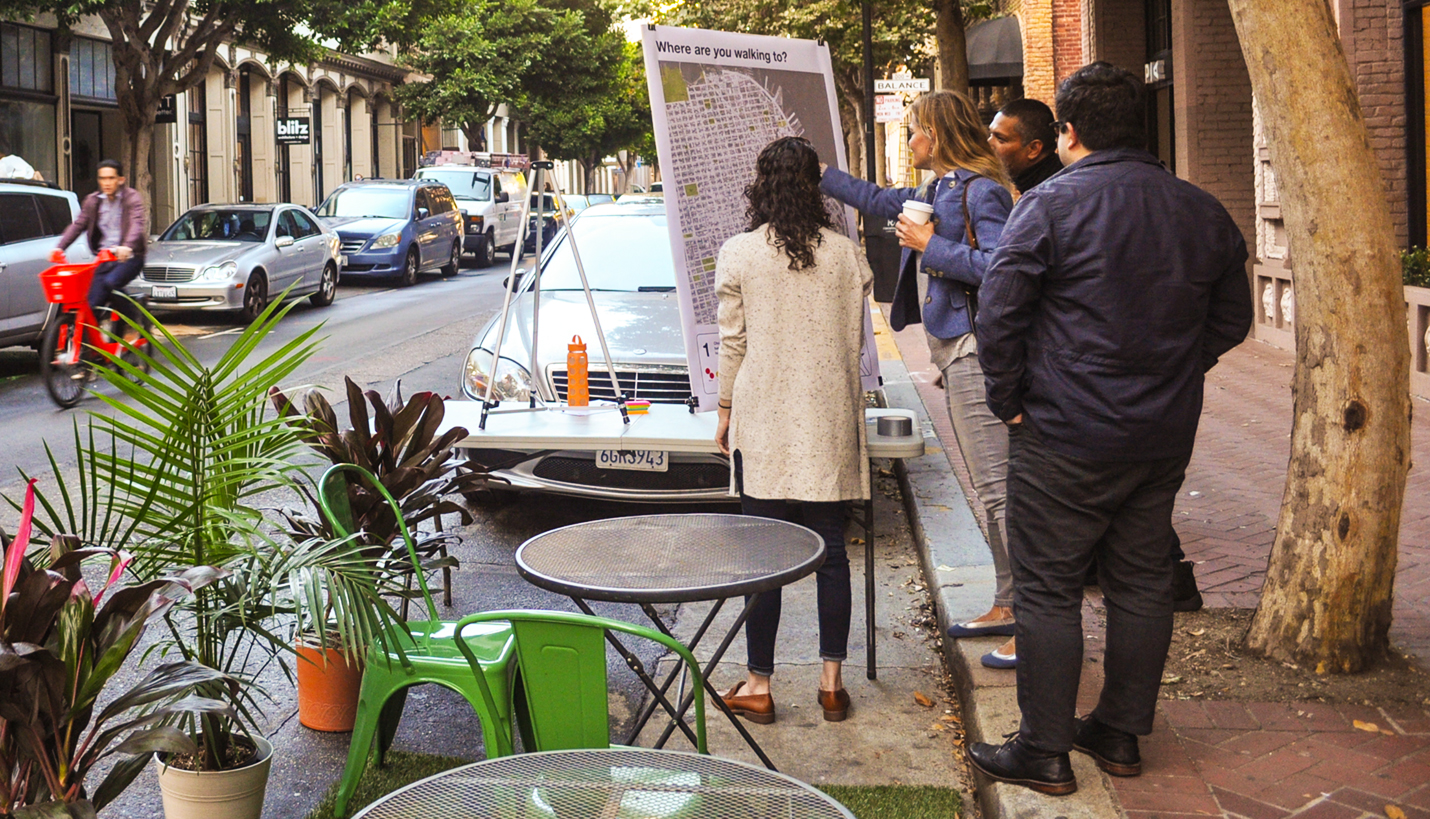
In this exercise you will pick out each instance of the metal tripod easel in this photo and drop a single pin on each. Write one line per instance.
(542, 169)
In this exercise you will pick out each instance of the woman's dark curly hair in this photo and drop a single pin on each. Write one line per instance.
(785, 195)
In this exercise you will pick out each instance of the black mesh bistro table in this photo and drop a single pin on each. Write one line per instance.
(653, 559)
(635, 783)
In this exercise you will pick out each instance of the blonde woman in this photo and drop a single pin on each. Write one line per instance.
(942, 266)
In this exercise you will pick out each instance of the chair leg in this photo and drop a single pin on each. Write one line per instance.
(371, 704)
(388, 721)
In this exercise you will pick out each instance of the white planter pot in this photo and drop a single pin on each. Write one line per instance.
(235, 794)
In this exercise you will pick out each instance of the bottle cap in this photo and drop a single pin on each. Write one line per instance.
(576, 345)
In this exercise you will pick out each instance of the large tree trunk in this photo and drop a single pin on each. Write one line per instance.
(952, 45)
(1327, 597)
(476, 136)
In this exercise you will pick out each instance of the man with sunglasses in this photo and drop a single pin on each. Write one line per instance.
(1114, 288)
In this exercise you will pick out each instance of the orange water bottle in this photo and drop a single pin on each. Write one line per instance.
(578, 374)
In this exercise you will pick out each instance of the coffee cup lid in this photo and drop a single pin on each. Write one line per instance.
(914, 204)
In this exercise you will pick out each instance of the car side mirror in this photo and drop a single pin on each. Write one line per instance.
(503, 197)
(423, 213)
(283, 241)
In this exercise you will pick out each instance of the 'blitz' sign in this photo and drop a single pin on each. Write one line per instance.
(293, 131)
(909, 85)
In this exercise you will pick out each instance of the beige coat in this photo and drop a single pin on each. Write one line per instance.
(789, 365)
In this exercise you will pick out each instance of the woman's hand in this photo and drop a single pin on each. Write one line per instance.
(912, 234)
(722, 432)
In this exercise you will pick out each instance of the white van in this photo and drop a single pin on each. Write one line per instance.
(490, 201)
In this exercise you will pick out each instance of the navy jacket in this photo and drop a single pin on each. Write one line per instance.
(952, 265)
(1116, 286)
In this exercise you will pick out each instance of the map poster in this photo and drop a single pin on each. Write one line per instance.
(717, 99)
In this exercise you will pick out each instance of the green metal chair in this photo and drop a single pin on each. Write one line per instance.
(562, 661)
(418, 652)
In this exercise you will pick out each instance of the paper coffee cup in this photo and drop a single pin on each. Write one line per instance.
(918, 212)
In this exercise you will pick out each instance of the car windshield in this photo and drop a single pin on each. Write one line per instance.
(548, 203)
(464, 182)
(239, 225)
(628, 252)
(575, 202)
(373, 203)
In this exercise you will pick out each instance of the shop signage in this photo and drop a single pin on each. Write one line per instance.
(293, 131)
(906, 85)
(168, 111)
(888, 108)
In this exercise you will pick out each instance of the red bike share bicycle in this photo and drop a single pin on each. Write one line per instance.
(73, 345)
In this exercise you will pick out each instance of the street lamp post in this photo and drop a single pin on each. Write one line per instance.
(868, 36)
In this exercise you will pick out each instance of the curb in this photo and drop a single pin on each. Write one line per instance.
(959, 570)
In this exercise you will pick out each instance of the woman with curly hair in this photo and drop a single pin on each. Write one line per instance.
(942, 266)
(791, 294)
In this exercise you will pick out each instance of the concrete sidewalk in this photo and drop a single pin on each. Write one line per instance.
(1206, 758)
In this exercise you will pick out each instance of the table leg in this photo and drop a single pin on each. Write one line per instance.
(679, 668)
(635, 664)
(714, 696)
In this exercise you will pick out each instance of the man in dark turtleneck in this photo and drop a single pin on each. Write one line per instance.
(1022, 136)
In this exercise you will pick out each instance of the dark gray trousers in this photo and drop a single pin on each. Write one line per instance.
(1062, 512)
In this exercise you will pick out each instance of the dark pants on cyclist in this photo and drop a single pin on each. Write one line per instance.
(112, 276)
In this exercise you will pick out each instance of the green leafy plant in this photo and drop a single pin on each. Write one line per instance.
(60, 647)
(1415, 266)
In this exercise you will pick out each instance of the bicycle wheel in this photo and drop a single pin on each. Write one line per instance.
(65, 381)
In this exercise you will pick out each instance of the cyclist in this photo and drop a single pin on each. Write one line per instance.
(112, 218)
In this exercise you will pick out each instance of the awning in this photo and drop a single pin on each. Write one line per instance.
(995, 50)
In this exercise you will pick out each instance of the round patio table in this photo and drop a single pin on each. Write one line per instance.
(636, 783)
(651, 559)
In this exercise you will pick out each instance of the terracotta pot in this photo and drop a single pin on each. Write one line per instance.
(234, 794)
(328, 687)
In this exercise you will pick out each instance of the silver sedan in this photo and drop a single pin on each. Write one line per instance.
(238, 257)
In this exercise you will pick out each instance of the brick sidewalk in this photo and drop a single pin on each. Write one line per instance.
(1260, 760)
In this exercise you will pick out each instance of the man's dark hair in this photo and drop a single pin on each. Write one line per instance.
(1105, 104)
(1033, 121)
(110, 163)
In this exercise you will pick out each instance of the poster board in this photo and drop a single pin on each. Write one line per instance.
(717, 99)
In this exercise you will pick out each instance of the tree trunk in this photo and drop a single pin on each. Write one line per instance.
(1327, 598)
(952, 46)
(138, 112)
(476, 136)
(881, 160)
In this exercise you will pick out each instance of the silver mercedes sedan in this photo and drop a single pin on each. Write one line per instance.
(625, 249)
(238, 257)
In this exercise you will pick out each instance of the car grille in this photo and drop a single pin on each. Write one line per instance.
(164, 275)
(681, 475)
(663, 385)
(353, 245)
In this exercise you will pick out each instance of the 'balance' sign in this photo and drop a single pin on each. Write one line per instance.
(293, 131)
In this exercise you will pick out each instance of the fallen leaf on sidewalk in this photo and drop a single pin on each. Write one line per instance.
(857, 541)
(1387, 732)
(923, 700)
(1196, 632)
(1172, 680)
(1393, 812)
(1368, 727)
(950, 718)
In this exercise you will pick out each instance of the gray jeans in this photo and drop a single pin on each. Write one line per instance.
(983, 440)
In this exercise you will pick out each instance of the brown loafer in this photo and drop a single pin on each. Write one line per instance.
(757, 708)
(835, 704)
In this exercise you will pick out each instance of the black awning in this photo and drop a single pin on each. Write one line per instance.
(995, 49)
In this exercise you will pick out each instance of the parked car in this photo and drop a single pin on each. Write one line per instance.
(491, 214)
(396, 228)
(551, 218)
(237, 257)
(625, 250)
(32, 214)
(600, 198)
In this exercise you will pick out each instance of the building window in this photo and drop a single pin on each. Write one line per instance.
(92, 70)
(348, 140)
(1417, 103)
(317, 143)
(198, 145)
(25, 60)
(285, 175)
(244, 146)
(1161, 132)
(372, 109)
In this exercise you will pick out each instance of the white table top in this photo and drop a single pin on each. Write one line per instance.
(668, 427)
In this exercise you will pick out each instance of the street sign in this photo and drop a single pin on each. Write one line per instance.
(888, 108)
(907, 85)
(293, 131)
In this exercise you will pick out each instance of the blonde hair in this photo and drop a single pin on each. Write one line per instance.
(959, 137)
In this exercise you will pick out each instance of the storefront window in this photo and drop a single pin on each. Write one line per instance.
(27, 130)
(92, 69)
(25, 59)
(1417, 103)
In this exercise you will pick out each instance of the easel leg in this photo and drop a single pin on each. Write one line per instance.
(872, 672)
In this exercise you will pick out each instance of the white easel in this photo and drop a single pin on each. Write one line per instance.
(542, 168)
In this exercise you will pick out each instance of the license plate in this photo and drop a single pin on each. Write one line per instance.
(645, 460)
(171, 293)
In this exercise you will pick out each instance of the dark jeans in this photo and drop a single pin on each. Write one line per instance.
(1063, 512)
(831, 579)
(112, 276)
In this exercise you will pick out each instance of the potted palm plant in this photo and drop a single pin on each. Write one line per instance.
(399, 445)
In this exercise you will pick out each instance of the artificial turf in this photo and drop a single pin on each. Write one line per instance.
(864, 801)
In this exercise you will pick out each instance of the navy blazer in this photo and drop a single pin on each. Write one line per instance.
(953, 267)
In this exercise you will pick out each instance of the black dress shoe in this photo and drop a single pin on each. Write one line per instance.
(1018, 764)
(1114, 751)
(1185, 596)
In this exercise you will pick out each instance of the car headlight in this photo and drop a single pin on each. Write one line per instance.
(218, 272)
(475, 224)
(512, 381)
(386, 240)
